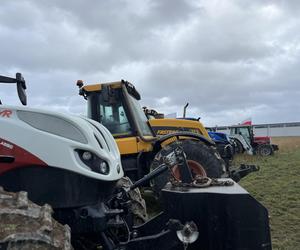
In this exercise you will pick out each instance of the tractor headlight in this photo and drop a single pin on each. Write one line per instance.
(100, 166)
(87, 156)
(95, 163)
(103, 168)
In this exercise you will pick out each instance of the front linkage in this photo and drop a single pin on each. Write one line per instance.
(162, 231)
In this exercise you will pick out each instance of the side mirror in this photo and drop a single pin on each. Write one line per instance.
(21, 87)
(131, 90)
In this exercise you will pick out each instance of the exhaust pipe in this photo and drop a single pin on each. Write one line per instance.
(184, 109)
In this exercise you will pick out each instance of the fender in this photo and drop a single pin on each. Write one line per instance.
(247, 147)
(161, 139)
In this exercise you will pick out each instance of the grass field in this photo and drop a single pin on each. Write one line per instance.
(277, 187)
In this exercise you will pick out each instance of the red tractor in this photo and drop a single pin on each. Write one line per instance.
(246, 141)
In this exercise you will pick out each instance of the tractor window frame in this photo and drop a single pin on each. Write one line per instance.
(94, 111)
(138, 113)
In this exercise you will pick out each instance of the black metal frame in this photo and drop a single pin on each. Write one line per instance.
(21, 86)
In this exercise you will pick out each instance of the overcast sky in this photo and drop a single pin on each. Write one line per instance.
(229, 59)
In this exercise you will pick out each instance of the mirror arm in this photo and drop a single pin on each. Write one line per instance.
(21, 86)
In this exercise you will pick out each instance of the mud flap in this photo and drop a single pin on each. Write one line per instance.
(275, 147)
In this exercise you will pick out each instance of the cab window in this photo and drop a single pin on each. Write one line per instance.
(114, 118)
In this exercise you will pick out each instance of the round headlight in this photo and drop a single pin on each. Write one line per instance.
(86, 156)
(103, 168)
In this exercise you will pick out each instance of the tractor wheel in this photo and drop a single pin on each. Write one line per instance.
(265, 150)
(202, 160)
(138, 204)
(25, 225)
(239, 149)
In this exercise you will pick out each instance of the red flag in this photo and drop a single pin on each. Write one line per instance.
(248, 121)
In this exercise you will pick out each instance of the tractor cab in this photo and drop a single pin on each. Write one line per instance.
(245, 131)
(116, 106)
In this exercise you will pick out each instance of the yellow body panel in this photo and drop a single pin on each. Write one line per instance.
(98, 86)
(144, 146)
(92, 88)
(127, 145)
(167, 126)
(132, 145)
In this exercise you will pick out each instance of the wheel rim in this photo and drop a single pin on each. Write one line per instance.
(265, 151)
(195, 167)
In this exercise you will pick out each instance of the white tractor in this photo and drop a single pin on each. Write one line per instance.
(245, 141)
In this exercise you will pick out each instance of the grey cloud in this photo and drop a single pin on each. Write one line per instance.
(229, 59)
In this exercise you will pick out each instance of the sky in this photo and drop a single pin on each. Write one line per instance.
(230, 60)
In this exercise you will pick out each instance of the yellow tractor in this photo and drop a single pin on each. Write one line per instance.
(116, 106)
(162, 126)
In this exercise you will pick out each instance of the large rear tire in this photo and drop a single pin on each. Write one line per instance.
(25, 225)
(197, 153)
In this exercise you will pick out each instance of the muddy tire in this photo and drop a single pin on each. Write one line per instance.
(25, 225)
(265, 150)
(196, 152)
(138, 204)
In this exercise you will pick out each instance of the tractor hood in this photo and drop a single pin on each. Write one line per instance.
(60, 140)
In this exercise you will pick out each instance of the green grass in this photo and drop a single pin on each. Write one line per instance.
(277, 187)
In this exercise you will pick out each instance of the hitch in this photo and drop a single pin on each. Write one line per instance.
(156, 172)
(174, 157)
(185, 172)
(242, 171)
